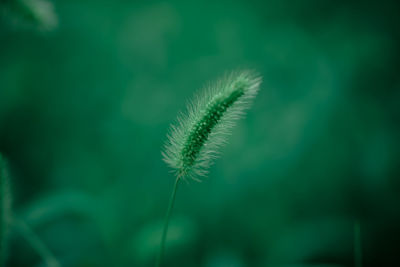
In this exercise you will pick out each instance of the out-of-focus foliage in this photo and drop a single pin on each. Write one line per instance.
(33, 14)
(84, 110)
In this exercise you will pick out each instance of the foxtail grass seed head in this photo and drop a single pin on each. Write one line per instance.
(194, 140)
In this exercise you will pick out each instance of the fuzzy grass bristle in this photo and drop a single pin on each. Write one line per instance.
(194, 141)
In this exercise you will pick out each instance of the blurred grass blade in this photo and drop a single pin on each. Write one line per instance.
(52, 207)
(5, 209)
(36, 243)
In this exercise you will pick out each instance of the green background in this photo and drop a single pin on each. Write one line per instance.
(85, 108)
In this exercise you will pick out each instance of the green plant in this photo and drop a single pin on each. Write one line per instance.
(8, 223)
(37, 14)
(5, 209)
(194, 141)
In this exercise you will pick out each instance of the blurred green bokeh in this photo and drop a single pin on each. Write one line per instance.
(86, 103)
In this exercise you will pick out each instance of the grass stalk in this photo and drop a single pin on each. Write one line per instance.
(166, 222)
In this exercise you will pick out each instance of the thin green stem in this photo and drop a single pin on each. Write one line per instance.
(166, 222)
(36, 243)
(357, 245)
